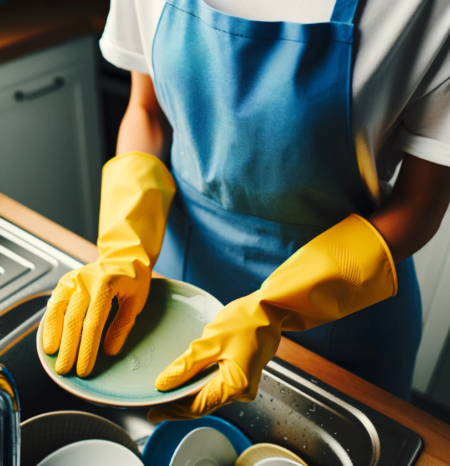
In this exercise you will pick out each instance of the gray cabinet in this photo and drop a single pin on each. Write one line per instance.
(432, 374)
(50, 146)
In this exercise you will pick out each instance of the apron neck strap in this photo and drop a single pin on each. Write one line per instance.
(344, 11)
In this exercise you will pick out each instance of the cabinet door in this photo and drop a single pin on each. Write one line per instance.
(50, 158)
(433, 272)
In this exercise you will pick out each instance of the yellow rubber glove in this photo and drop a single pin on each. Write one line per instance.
(343, 270)
(137, 190)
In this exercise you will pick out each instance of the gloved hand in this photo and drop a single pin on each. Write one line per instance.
(345, 269)
(137, 190)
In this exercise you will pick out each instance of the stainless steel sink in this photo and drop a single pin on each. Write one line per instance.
(319, 423)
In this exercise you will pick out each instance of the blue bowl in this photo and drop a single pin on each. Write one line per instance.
(161, 445)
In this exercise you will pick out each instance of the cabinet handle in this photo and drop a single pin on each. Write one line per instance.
(57, 83)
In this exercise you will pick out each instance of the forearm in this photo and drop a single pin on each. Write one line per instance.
(144, 127)
(141, 132)
(413, 212)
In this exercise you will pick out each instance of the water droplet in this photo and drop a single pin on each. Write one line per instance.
(252, 425)
(348, 449)
(331, 418)
(285, 438)
(260, 395)
(321, 425)
(335, 433)
(313, 407)
(314, 381)
(282, 390)
(286, 422)
(266, 377)
(241, 413)
(134, 362)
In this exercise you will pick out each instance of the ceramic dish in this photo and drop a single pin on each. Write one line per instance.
(174, 315)
(164, 440)
(277, 462)
(204, 447)
(46, 433)
(262, 451)
(92, 453)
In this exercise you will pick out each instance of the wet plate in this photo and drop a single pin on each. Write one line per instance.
(174, 315)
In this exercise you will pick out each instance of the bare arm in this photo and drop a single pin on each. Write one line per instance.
(144, 127)
(413, 212)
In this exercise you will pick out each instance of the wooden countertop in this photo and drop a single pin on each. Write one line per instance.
(31, 25)
(435, 433)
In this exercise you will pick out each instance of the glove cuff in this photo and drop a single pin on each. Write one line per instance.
(137, 191)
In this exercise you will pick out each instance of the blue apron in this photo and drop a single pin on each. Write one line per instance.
(264, 161)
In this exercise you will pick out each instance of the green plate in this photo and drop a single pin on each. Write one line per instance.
(174, 315)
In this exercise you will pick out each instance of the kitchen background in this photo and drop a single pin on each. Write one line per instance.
(61, 105)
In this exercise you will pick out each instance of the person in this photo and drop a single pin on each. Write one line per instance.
(285, 121)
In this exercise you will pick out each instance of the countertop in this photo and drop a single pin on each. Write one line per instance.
(30, 25)
(435, 433)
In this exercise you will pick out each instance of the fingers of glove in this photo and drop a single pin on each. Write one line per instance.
(93, 325)
(201, 353)
(228, 386)
(73, 323)
(121, 326)
(54, 318)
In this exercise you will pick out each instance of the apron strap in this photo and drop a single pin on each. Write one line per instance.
(344, 11)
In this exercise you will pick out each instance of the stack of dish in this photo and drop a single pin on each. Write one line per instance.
(211, 441)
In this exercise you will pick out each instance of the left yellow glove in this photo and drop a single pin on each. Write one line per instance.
(345, 269)
(137, 190)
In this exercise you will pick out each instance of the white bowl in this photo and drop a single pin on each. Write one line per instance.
(277, 462)
(204, 447)
(92, 453)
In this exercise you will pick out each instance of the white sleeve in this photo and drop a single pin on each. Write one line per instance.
(121, 40)
(425, 129)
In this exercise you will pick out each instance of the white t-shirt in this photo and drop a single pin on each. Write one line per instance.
(401, 71)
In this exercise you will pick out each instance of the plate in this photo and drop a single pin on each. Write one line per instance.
(175, 314)
(204, 447)
(262, 451)
(43, 434)
(164, 440)
(92, 453)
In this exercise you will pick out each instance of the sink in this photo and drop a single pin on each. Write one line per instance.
(29, 267)
(291, 409)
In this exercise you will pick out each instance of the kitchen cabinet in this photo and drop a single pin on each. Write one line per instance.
(432, 374)
(50, 140)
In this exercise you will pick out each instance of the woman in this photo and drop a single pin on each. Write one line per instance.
(287, 122)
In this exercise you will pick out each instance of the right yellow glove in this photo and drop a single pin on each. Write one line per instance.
(137, 190)
(345, 269)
